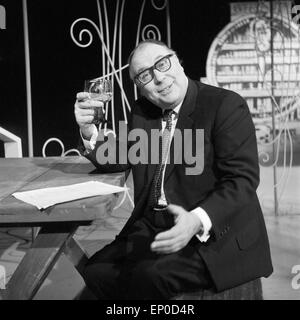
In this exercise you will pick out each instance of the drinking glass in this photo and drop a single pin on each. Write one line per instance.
(99, 89)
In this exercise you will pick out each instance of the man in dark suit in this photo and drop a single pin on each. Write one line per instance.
(188, 230)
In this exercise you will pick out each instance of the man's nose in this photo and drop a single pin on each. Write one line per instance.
(158, 76)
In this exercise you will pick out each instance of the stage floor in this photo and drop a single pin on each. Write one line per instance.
(65, 283)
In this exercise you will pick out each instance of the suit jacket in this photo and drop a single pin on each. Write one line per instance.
(238, 248)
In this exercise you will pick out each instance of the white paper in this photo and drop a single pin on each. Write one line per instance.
(46, 197)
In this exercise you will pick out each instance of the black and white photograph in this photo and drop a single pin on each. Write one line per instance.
(149, 151)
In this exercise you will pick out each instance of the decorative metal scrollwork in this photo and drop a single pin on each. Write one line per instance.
(150, 31)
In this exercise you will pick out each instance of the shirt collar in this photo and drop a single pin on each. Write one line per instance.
(176, 110)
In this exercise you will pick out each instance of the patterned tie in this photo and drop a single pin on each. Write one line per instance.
(163, 153)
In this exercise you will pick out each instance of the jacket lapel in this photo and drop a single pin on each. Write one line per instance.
(152, 121)
(185, 121)
(151, 125)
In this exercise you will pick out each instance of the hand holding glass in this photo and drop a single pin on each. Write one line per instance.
(99, 90)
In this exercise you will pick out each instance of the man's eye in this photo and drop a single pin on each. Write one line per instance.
(161, 64)
(144, 75)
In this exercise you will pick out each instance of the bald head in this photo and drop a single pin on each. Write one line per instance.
(143, 45)
(165, 82)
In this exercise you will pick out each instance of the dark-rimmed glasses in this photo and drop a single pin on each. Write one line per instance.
(147, 75)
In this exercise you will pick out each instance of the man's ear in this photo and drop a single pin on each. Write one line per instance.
(141, 92)
(181, 62)
(178, 58)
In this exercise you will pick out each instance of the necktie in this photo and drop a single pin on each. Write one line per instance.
(163, 153)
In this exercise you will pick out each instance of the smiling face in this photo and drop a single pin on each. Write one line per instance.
(166, 89)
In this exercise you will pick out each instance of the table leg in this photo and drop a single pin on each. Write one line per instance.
(38, 261)
(79, 257)
(76, 254)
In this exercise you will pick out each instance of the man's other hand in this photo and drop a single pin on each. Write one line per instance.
(176, 238)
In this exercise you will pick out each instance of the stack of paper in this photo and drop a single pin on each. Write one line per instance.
(46, 197)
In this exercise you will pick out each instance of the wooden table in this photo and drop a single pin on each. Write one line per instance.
(58, 223)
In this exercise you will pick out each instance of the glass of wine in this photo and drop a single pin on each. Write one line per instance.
(99, 89)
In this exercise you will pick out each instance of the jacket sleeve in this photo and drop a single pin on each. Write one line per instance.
(111, 151)
(236, 163)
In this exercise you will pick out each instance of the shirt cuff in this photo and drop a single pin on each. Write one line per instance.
(90, 144)
(206, 222)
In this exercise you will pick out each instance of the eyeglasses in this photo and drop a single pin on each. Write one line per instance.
(147, 75)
